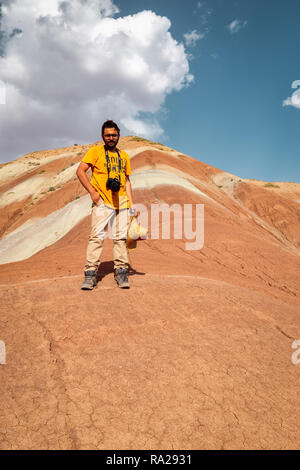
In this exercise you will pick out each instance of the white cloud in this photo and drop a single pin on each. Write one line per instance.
(293, 100)
(193, 37)
(75, 65)
(236, 25)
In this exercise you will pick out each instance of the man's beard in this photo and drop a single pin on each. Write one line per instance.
(112, 144)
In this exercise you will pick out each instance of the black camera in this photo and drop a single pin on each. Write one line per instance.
(113, 184)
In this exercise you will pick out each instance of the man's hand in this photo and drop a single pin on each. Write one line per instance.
(133, 211)
(95, 196)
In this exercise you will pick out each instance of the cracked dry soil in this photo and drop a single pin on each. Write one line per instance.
(181, 362)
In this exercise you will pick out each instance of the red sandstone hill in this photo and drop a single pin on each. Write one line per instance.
(196, 355)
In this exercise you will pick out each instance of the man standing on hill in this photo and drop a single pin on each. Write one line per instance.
(111, 194)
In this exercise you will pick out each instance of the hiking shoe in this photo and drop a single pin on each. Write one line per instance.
(89, 281)
(121, 278)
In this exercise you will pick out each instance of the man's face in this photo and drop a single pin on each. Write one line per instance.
(110, 137)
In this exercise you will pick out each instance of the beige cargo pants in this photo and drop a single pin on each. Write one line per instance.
(102, 216)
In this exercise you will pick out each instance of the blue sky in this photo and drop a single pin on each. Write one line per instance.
(230, 116)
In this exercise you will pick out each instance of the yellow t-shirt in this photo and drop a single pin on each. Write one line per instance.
(96, 157)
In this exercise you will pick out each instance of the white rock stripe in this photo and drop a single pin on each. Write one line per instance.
(149, 178)
(19, 167)
(22, 244)
(29, 187)
(36, 185)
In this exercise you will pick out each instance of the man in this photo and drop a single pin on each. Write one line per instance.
(111, 194)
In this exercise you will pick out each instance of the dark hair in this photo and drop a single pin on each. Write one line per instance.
(110, 124)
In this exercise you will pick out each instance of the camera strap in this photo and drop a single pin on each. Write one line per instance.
(108, 162)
